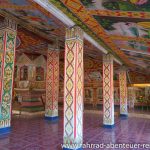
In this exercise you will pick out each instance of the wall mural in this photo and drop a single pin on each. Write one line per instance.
(88, 94)
(125, 26)
(39, 73)
(96, 75)
(122, 5)
(100, 94)
(32, 70)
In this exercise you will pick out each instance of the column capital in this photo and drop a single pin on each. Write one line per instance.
(122, 69)
(8, 23)
(108, 58)
(74, 32)
(54, 46)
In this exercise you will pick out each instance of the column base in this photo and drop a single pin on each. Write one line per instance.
(6, 130)
(72, 149)
(53, 119)
(108, 126)
(123, 116)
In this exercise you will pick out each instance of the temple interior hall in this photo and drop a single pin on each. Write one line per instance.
(74, 74)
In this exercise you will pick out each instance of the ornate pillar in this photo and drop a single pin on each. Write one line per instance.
(108, 91)
(73, 89)
(94, 97)
(7, 55)
(131, 96)
(123, 92)
(52, 84)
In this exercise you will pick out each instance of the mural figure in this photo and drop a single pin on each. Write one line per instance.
(123, 27)
(127, 5)
(123, 5)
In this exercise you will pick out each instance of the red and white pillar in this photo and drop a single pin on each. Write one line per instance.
(73, 89)
(123, 92)
(131, 96)
(52, 84)
(108, 91)
(8, 31)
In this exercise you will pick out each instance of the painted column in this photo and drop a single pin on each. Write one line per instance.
(94, 97)
(131, 96)
(7, 56)
(73, 89)
(108, 91)
(52, 84)
(123, 92)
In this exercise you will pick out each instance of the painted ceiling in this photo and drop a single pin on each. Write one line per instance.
(30, 13)
(121, 26)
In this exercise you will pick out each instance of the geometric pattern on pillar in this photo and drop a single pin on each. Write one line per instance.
(52, 84)
(7, 56)
(108, 95)
(73, 88)
(123, 92)
(131, 96)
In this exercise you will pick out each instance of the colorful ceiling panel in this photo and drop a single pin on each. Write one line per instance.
(141, 62)
(125, 26)
(118, 5)
(132, 45)
(31, 14)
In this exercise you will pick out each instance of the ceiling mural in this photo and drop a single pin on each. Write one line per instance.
(27, 11)
(36, 18)
(138, 56)
(123, 5)
(15, 2)
(125, 27)
(95, 76)
(132, 45)
(142, 62)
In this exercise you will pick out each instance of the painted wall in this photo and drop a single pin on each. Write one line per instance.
(92, 77)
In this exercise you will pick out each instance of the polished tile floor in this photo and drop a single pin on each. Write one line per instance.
(38, 134)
